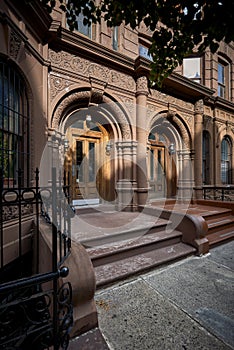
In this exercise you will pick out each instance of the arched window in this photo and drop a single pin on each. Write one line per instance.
(206, 157)
(14, 125)
(226, 156)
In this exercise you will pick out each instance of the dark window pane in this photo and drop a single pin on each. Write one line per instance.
(91, 161)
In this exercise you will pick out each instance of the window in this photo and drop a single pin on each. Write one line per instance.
(143, 52)
(226, 157)
(84, 28)
(14, 125)
(192, 68)
(206, 157)
(223, 79)
(115, 41)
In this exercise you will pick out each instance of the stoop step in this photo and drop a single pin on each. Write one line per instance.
(124, 268)
(119, 260)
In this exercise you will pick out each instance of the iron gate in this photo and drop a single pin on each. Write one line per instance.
(35, 311)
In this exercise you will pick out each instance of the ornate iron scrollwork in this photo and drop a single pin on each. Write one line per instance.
(26, 322)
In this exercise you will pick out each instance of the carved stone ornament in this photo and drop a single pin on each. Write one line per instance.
(85, 96)
(199, 107)
(58, 84)
(142, 84)
(65, 103)
(78, 65)
(128, 103)
(14, 45)
(182, 131)
(160, 96)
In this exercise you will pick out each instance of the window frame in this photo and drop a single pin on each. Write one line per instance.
(197, 79)
(14, 125)
(223, 85)
(226, 160)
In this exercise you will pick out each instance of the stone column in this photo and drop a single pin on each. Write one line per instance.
(198, 130)
(126, 185)
(142, 137)
(185, 179)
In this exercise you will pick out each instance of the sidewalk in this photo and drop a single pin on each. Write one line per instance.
(186, 305)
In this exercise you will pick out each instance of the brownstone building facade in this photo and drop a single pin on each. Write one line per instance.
(123, 142)
(58, 80)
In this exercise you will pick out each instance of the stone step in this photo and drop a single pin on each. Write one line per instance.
(221, 236)
(217, 224)
(124, 268)
(132, 232)
(119, 250)
(216, 213)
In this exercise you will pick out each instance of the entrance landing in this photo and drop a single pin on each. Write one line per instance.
(219, 217)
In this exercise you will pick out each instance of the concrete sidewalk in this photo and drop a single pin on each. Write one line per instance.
(186, 305)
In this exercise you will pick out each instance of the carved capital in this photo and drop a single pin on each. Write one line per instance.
(199, 107)
(142, 85)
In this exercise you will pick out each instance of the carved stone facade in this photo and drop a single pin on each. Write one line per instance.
(68, 73)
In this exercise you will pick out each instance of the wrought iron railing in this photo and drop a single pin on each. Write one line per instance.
(221, 193)
(35, 311)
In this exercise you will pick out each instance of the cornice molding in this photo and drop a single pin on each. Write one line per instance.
(75, 42)
(220, 103)
(36, 18)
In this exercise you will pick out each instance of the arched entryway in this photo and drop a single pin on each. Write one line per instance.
(88, 167)
(96, 138)
(169, 162)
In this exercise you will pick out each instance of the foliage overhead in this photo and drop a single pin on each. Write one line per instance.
(177, 26)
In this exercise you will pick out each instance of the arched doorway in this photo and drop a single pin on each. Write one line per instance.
(88, 167)
(162, 172)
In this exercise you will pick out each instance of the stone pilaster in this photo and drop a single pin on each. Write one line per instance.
(198, 131)
(126, 185)
(142, 138)
(185, 179)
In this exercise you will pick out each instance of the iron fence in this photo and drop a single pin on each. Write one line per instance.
(35, 311)
(221, 193)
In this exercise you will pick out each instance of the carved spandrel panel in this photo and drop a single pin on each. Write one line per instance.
(58, 84)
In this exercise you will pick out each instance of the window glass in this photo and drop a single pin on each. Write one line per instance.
(143, 52)
(79, 160)
(91, 161)
(84, 28)
(206, 157)
(226, 157)
(115, 42)
(192, 68)
(14, 124)
(221, 80)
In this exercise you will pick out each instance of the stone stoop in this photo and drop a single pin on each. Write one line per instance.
(120, 260)
(220, 226)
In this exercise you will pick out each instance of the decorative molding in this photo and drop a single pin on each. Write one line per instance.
(14, 44)
(207, 120)
(89, 69)
(57, 84)
(142, 85)
(182, 130)
(161, 97)
(85, 96)
(120, 118)
(122, 80)
(65, 103)
(129, 103)
(199, 107)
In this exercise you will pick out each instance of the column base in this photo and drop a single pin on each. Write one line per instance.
(127, 197)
